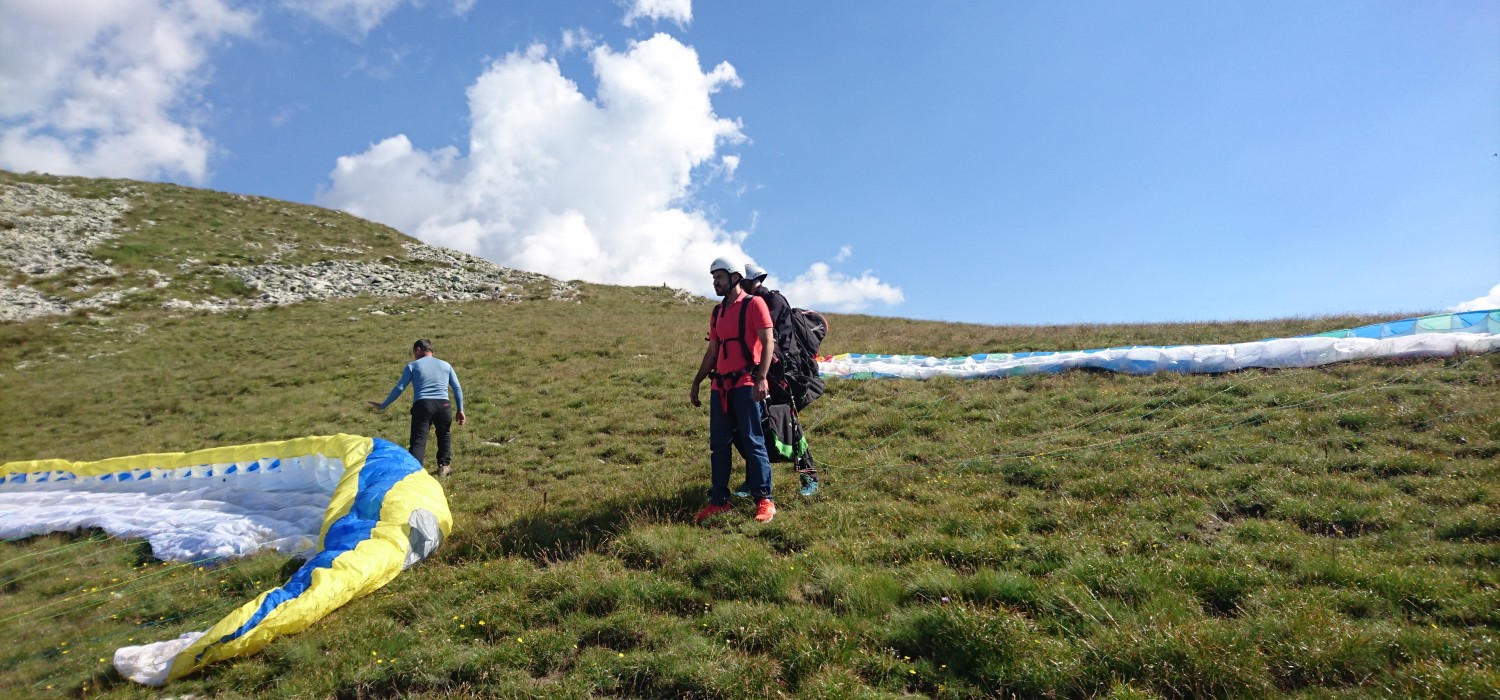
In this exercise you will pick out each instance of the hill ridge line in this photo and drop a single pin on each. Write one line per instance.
(48, 241)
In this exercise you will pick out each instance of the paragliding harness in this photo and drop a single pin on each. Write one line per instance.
(793, 379)
(799, 333)
(723, 381)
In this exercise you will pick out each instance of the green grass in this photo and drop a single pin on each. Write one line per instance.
(1330, 532)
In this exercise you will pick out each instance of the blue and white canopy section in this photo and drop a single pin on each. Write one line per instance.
(1441, 335)
(361, 508)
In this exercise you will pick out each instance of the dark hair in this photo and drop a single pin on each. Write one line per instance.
(422, 344)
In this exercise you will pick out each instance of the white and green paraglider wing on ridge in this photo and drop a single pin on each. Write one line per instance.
(1439, 335)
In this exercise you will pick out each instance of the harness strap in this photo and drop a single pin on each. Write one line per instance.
(744, 346)
(724, 343)
(723, 382)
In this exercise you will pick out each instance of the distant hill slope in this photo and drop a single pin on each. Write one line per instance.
(88, 245)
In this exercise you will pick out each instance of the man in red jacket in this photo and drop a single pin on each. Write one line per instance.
(741, 344)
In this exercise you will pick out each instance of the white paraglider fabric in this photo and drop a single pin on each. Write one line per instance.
(203, 512)
(1443, 335)
(150, 663)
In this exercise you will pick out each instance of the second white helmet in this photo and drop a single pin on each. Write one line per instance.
(754, 272)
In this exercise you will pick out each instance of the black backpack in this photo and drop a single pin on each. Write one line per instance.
(799, 334)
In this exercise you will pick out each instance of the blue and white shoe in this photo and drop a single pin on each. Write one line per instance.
(743, 490)
(809, 487)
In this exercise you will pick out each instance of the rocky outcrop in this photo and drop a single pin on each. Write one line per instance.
(46, 232)
(47, 235)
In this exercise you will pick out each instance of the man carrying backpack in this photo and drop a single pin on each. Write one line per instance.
(784, 435)
(738, 358)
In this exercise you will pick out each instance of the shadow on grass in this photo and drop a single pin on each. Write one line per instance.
(559, 534)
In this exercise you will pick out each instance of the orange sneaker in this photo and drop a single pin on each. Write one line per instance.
(765, 510)
(710, 510)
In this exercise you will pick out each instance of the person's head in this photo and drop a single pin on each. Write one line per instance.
(727, 276)
(421, 348)
(754, 277)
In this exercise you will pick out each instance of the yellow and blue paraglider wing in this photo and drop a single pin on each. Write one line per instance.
(363, 506)
(384, 511)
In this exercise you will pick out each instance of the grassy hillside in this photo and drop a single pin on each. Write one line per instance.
(157, 245)
(1327, 532)
(185, 233)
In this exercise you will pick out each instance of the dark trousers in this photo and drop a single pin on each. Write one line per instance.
(426, 414)
(740, 426)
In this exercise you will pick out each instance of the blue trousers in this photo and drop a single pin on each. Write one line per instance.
(739, 426)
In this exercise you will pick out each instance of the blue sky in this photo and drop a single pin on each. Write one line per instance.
(990, 162)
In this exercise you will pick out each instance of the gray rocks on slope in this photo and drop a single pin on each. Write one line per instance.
(50, 232)
(45, 232)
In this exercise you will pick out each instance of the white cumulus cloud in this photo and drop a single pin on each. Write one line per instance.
(556, 182)
(824, 288)
(679, 11)
(559, 183)
(109, 88)
(1483, 303)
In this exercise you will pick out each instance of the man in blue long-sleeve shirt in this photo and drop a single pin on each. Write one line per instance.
(430, 379)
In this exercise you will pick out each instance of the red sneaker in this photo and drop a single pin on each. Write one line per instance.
(765, 510)
(710, 510)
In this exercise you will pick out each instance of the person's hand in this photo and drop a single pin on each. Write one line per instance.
(762, 389)
(377, 405)
(462, 418)
(693, 396)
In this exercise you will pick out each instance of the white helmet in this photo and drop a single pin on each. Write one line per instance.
(725, 265)
(754, 272)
